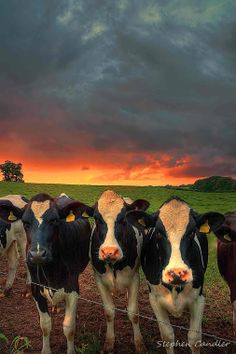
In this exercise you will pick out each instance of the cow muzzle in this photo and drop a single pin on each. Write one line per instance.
(110, 254)
(39, 256)
(177, 276)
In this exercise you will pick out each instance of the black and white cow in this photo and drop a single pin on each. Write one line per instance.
(174, 260)
(58, 251)
(12, 239)
(115, 256)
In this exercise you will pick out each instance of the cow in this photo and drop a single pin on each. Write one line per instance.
(12, 239)
(226, 257)
(174, 259)
(57, 253)
(115, 256)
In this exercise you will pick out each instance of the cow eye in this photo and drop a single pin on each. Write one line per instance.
(158, 235)
(53, 221)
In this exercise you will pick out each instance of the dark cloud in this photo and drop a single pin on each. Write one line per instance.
(138, 77)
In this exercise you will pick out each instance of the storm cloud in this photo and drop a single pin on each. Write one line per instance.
(147, 85)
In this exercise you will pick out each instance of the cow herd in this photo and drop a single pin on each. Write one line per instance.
(57, 243)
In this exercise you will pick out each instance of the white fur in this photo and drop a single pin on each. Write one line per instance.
(15, 240)
(69, 323)
(39, 208)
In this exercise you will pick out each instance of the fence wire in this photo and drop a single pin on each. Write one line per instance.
(141, 315)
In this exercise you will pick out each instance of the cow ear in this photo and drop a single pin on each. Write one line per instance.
(139, 204)
(209, 222)
(140, 219)
(226, 234)
(74, 210)
(9, 212)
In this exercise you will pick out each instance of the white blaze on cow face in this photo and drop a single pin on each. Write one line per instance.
(175, 218)
(39, 208)
(110, 205)
(15, 199)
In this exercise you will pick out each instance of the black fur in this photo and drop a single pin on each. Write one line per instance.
(3, 236)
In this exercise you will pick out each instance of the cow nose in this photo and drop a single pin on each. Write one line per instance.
(178, 276)
(110, 253)
(39, 256)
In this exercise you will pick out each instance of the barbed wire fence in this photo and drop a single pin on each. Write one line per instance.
(140, 315)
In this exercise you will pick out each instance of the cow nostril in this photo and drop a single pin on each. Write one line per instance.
(43, 254)
(177, 275)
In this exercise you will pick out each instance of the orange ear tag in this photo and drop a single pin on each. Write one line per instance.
(142, 222)
(12, 217)
(227, 237)
(70, 217)
(205, 228)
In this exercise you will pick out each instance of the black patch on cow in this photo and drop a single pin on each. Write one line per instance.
(3, 236)
(41, 301)
(41, 197)
(155, 253)
(191, 254)
(125, 236)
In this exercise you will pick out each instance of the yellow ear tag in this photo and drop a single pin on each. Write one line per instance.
(142, 222)
(205, 228)
(85, 214)
(12, 217)
(70, 217)
(227, 237)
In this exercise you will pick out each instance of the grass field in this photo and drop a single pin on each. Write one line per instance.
(215, 288)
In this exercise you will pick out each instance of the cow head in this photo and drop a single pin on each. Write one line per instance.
(110, 224)
(175, 228)
(42, 217)
(227, 232)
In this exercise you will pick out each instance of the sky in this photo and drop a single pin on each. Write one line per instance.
(118, 92)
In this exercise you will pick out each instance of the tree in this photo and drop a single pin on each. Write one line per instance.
(12, 172)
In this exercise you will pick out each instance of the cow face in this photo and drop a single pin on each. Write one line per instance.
(110, 230)
(42, 217)
(176, 230)
(227, 232)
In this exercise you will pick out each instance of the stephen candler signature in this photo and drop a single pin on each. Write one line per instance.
(178, 343)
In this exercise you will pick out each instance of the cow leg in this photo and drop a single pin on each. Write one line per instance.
(12, 258)
(234, 317)
(196, 314)
(166, 330)
(110, 315)
(45, 321)
(132, 313)
(22, 247)
(69, 322)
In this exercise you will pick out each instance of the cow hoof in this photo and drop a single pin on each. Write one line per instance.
(140, 347)
(46, 352)
(108, 347)
(27, 292)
